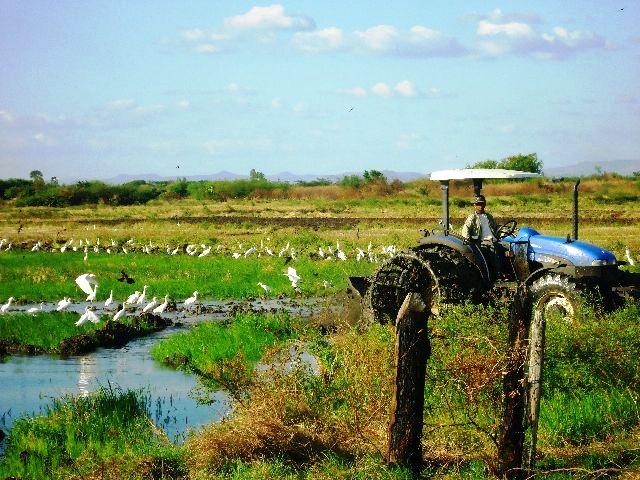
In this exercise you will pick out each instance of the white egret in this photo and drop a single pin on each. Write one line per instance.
(152, 304)
(85, 282)
(236, 255)
(269, 252)
(321, 252)
(132, 298)
(175, 250)
(360, 254)
(326, 283)
(109, 300)
(162, 307)
(5, 308)
(629, 257)
(267, 289)
(191, 300)
(63, 304)
(88, 316)
(205, 252)
(341, 255)
(120, 313)
(92, 296)
(249, 251)
(142, 296)
(34, 310)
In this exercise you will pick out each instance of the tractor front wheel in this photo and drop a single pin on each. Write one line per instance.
(555, 295)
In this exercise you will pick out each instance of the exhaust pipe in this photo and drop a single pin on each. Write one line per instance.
(575, 210)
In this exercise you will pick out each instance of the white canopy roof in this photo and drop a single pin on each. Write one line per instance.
(470, 173)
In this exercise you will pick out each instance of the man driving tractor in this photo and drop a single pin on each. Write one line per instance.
(481, 229)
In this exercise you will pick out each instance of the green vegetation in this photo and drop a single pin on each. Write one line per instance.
(108, 432)
(334, 425)
(55, 332)
(43, 276)
(222, 353)
(523, 163)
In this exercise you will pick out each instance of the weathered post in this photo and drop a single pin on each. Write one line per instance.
(407, 407)
(511, 433)
(534, 382)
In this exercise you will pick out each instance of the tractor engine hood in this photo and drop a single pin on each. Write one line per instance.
(578, 253)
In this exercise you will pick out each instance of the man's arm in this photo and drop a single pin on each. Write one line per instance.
(467, 227)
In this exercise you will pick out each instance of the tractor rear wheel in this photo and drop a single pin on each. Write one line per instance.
(432, 270)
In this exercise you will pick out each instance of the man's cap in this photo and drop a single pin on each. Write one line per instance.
(479, 200)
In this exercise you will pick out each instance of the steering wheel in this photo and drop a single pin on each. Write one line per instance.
(507, 229)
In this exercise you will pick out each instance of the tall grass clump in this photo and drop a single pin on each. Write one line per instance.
(108, 430)
(224, 354)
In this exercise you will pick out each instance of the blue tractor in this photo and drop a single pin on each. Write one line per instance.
(561, 273)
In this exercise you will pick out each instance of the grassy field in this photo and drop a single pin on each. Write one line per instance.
(334, 425)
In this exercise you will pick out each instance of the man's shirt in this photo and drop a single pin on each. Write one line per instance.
(485, 228)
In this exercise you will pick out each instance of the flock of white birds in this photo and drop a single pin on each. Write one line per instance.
(89, 285)
(201, 250)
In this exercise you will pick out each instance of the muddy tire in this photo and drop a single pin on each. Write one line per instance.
(556, 295)
(434, 271)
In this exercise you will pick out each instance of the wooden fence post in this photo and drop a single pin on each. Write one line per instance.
(534, 382)
(511, 433)
(407, 407)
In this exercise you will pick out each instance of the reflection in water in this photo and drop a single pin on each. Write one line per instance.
(87, 372)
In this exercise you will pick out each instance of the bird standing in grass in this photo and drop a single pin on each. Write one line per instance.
(629, 257)
(142, 296)
(5, 308)
(267, 289)
(132, 298)
(34, 310)
(191, 300)
(120, 313)
(63, 304)
(88, 316)
(152, 304)
(92, 296)
(162, 307)
(109, 300)
(86, 281)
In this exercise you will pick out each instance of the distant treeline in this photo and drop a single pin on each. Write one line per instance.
(39, 192)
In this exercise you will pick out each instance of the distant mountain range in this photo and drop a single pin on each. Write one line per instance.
(583, 169)
(623, 167)
(282, 177)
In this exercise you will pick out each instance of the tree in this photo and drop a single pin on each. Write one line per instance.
(256, 176)
(374, 176)
(523, 163)
(36, 175)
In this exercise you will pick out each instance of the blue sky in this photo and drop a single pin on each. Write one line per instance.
(94, 89)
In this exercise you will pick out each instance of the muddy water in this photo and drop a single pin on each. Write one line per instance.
(29, 384)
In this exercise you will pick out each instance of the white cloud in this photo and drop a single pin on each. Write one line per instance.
(194, 34)
(272, 17)
(183, 104)
(233, 88)
(299, 107)
(207, 48)
(122, 104)
(354, 92)
(512, 29)
(381, 89)
(276, 103)
(405, 88)
(380, 38)
(7, 117)
(319, 41)
(418, 42)
(512, 34)
(149, 109)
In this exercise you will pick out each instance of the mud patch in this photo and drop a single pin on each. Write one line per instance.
(113, 335)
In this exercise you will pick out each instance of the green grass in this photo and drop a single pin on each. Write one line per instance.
(212, 344)
(55, 332)
(43, 276)
(83, 435)
(44, 330)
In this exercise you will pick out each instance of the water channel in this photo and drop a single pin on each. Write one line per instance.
(28, 384)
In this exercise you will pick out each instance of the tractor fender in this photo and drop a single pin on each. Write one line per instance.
(468, 250)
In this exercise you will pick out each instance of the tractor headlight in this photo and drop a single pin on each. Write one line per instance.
(600, 263)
